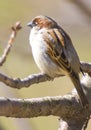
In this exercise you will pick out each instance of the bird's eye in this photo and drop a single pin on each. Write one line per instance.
(35, 23)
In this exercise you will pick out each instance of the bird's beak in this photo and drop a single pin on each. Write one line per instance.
(30, 24)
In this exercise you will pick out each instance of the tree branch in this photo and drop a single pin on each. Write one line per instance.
(67, 108)
(26, 82)
(86, 67)
(26, 108)
(35, 78)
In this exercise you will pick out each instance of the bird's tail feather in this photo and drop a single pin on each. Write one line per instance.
(76, 81)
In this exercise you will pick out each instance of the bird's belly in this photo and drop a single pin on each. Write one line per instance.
(44, 62)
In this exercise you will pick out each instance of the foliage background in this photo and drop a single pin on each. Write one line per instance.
(75, 19)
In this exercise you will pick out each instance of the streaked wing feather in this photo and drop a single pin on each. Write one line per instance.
(56, 49)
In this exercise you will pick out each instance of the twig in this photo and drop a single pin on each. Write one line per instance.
(26, 82)
(10, 42)
(35, 78)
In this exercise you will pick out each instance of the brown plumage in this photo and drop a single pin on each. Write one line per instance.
(54, 53)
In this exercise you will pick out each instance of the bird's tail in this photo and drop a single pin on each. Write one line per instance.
(76, 81)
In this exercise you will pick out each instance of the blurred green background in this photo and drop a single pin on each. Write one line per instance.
(75, 17)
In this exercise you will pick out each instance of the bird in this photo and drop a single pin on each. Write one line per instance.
(54, 53)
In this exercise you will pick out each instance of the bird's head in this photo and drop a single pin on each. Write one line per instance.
(42, 22)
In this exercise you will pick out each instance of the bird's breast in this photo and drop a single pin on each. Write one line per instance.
(42, 59)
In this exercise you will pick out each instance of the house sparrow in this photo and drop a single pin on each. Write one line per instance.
(54, 53)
